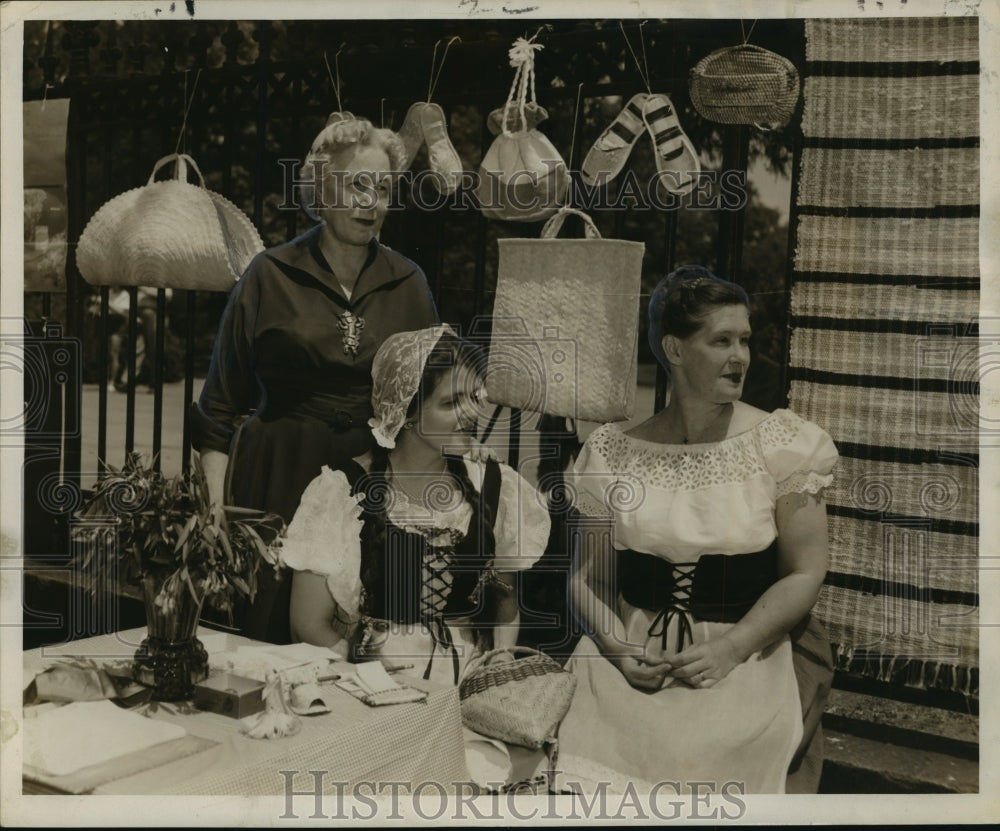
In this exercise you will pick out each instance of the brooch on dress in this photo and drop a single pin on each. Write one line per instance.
(350, 326)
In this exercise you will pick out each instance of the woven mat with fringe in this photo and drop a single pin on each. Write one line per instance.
(884, 349)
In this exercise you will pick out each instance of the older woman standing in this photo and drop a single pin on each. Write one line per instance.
(289, 386)
(718, 548)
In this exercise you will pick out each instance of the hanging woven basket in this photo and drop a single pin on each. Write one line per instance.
(168, 234)
(745, 85)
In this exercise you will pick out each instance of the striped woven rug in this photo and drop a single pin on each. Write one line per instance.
(884, 352)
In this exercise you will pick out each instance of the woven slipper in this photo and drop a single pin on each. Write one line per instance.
(443, 157)
(608, 155)
(676, 159)
(533, 115)
(411, 133)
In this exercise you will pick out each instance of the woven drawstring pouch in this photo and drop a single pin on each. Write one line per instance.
(522, 176)
(745, 85)
(168, 234)
(521, 702)
(565, 324)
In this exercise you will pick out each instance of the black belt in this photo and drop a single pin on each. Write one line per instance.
(716, 587)
(339, 420)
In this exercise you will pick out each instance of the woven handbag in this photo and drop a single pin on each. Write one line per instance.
(519, 702)
(522, 176)
(745, 85)
(168, 234)
(565, 324)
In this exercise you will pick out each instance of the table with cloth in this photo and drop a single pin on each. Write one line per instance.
(414, 742)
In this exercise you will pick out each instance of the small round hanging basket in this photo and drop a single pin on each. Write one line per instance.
(745, 85)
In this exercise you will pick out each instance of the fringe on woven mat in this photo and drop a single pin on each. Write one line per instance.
(910, 672)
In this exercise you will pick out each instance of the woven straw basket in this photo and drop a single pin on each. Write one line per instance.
(745, 85)
(565, 324)
(520, 702)
(168, 234)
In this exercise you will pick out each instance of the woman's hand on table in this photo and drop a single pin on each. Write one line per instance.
(705, 664)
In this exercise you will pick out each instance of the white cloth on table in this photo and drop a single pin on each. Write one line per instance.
(679, 502)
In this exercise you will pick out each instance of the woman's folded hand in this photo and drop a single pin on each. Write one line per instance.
(705, 664)
(641, 674)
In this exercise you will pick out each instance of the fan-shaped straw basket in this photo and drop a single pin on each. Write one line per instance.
(520, 702)
(745, 85)
(168, 234)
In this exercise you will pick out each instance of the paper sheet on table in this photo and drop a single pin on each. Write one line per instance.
(64, 739)
(374, 678)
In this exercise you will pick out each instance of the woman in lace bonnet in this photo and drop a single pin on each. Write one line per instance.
(718, 549)
(430, 568)
(411, 552)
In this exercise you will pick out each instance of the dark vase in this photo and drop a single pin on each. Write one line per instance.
(170, 659)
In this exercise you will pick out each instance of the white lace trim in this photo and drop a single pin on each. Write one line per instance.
(692, 467)
(804, 482)
(688, 467)
(778, 429)
(413, 516)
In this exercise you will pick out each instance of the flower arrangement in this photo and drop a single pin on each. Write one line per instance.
(140, 524)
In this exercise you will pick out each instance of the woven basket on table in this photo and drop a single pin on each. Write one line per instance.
(168, 234)
(745, 85)
(520, 702)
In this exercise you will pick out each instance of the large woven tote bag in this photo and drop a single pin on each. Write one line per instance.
(565, 324)
(168, 234)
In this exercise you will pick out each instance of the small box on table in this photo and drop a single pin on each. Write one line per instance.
(230, 695)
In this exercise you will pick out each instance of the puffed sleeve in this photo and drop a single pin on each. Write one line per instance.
(522, 523)
(592, 478)
(324, 537)
(231, 387)
(799, 455)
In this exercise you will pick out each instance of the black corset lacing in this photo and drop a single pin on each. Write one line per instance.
(716, 587)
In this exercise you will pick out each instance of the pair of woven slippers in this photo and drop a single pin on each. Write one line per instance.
(425, 123)
(677, 162)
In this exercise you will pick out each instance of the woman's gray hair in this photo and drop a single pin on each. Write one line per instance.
(342, 132)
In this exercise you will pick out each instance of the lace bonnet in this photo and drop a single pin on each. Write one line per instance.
(396, 373)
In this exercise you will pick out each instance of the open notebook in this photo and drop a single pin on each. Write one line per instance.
(60, 740)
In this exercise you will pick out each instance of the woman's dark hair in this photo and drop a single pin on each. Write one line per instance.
(683, 299)
(450, 352)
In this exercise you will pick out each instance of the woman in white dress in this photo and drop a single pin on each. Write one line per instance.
(716, 549)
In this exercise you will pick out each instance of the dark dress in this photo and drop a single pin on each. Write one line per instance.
(289, 386)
